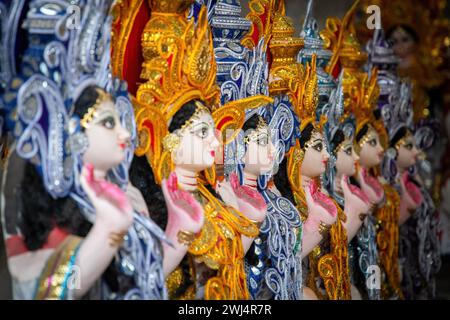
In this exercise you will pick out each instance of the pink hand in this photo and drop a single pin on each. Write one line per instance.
(112, 209)
(371, 186)
(184, 210)
(320, 207)
(106, 190)
(411, 192)
(356, 201)
(246, 194)
(353, 190)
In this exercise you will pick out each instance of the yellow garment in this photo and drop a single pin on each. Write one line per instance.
(387, 241)
(219, 247)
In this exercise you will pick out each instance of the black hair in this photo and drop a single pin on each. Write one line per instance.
(40, 212)
(398, 135)
(362, 132)
(251, 123)
(306, 134)
(281, 178)
(405, 27)
(281, 181)
(86, 100)
(337, 139)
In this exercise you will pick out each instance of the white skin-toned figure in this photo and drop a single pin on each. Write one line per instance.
(258, 160)
(411, 196)
(370, 156)
(106, 136)
(356, 203)
(320, 207)
(404, 46)
(196, 152)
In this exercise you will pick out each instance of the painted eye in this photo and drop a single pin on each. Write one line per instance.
(318, 147)
(373, 142)
(109, 122)
(203, 132)
(348, 151)
(263, 141)
(409, 146)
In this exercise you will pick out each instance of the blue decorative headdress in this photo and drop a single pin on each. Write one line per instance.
(313, 44)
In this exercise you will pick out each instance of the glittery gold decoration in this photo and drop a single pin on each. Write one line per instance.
(332, 267)
(388, 242)
(361, 91)
(185, 237)
(92, 111)
(219, 246)
(52, 283)
(230, 118)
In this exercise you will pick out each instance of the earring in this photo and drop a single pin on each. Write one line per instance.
(171, 142)
(78, 143)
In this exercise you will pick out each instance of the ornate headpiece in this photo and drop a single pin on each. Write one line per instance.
(179, 67)
(58, 64)
(313, 44)
(285, 73)
(382, 56)
(360, 90)
(307, 97)
(242, 73)
(340, 38)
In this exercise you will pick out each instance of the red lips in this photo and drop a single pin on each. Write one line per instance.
(213, 154)
(122, 145)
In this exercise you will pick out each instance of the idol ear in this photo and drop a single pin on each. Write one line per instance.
(230, 118)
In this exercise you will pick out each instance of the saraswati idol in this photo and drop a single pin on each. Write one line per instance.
(176, 110)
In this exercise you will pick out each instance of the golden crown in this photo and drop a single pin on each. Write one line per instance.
(340, 37)
(285, 72)
(179, 66)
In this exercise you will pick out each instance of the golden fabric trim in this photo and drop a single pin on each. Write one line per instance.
(176, 278)
(230, 118)
(124, 13)
(388, 241)
(52, 283)
(219, 246)
(332, 267)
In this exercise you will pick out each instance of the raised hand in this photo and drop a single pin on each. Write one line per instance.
(355, 197)
(112, 207)
(184, 211)
(320, 207)
(248, 200)
(113, 218)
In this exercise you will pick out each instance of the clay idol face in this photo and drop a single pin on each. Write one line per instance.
(198, 143)
(259, 155)
(403, 43)
(346, 159)
(107, 139)
(371, 151)
(316, 156)
(407, 152)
